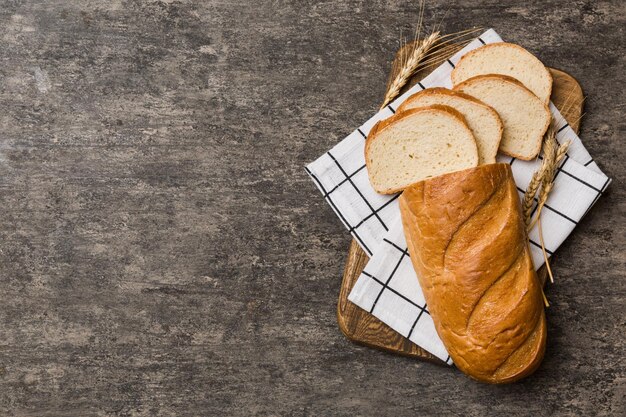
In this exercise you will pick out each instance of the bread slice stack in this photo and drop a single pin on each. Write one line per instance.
(498, 103)
(417, 144)
(482, 120)
(524, 116)
(517, 85)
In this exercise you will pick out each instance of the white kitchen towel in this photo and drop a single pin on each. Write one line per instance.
(388, 287)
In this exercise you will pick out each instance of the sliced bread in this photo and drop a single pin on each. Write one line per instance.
(524, 116)
(506, 59)
(417, 144)
(482, 120)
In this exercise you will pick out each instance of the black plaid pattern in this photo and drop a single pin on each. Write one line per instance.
(348, 178)
(422, 308)
(404, 253)
(336, 209)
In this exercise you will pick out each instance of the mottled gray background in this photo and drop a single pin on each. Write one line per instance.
(162, 251)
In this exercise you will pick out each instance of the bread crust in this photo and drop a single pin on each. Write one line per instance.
(447, 92)
(468, 244)
(518, 83)
(380, 126)
(498, 45)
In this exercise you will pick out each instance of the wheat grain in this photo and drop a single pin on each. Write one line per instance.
(549, 153)
(409, 67)
(431, 50)
(548, 178)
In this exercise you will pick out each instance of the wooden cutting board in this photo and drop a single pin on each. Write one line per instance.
(360, 326)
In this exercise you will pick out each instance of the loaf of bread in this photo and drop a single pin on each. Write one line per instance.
(482, 120)
(506, 59)
(416, 144)
(524, 116)
(469, 247)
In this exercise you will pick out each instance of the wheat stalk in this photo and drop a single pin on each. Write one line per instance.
(425, 52)
(549, 155)
(543, 180)
(411, 65)
(432, 48)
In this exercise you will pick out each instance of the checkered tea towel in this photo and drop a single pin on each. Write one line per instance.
(388, 287)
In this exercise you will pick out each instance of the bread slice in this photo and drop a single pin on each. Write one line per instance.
(506, 59)
(482, 120)
(417, 144)
(524, 116)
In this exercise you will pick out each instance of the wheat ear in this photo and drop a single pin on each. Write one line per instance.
(409, 68)
(542, 182)
(547, 180)
(547, 183)
(428, 51)
(549, 152)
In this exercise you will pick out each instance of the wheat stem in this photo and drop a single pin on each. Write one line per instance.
(545, 254)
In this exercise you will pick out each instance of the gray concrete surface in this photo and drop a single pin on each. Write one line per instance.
(162, 251)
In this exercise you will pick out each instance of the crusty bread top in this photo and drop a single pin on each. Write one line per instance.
(494, 76)
(382, 124)
(373, 157)
(439, 90)
(487, 133)
(506, 59)
(506, 146)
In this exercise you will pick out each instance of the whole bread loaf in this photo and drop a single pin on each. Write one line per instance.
(469, 247)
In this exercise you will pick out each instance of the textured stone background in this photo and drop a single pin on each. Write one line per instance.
(162, 251)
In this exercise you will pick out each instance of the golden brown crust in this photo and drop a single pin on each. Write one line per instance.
(469, 247)
(500, 44)
(382, 124)
(518, 83)
(443, 91)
